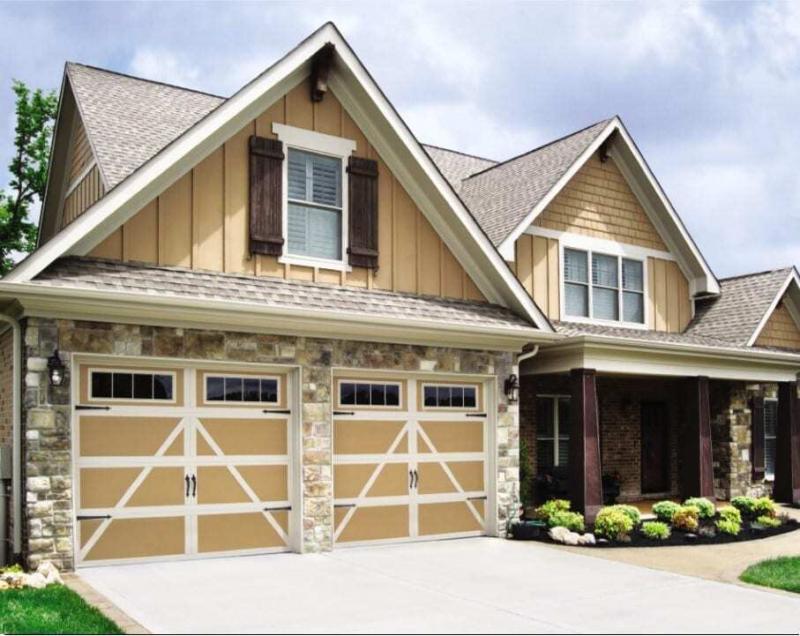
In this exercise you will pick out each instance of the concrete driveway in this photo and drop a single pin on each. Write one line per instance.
(468, 585)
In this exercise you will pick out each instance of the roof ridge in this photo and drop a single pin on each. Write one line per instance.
(761, 273)
(459, 152)
(144, 79)
(542, 147)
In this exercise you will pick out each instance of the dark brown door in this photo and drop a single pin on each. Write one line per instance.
(655, 447)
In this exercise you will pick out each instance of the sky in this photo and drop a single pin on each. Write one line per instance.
(709, 91)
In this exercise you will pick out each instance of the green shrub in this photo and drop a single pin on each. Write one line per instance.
(664, 510)
(612, 523)
(687, 518)
(745, 505)
(768, 522)
(656, 530)
(630, 511)
(549, 508)
(705, 507)
(764, 506)
(572, 521)
(729, 526)
(729, 513)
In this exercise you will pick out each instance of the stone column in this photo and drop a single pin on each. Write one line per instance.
(697, 478)
(585, 478)
(787, 440)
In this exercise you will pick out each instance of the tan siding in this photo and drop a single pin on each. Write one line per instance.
(143, 224)
(202, 220)
(598, 202)
(537, 267)
(81, 152)
(85, 194)
(780, 330)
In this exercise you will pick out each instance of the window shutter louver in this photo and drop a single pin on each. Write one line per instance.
(266, 177)
(363, 212)
(757, 430)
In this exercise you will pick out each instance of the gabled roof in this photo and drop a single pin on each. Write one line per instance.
(502, 196)
(739, 313)
(128, 120)
(457, 166)
(363, 99)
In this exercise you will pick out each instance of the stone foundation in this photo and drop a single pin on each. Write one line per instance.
(46, 414)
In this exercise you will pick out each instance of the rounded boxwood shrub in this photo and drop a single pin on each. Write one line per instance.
(729, 513)
(665, 510)
(764, 506)
(549, 508)
(687, 518)
(768, 522)
(729, 526)
(745, 505)
(612, 523)
(572, 521)
(705, 507)
(630, 511)
(656, 530)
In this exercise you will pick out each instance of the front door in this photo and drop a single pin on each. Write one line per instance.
(655, 448)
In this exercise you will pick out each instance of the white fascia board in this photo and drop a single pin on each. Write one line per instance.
(791, 278)
(203, 313)
(621, 356)
(507, 246)
(171, 163)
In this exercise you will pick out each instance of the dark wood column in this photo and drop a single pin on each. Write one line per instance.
(787, 441)
(697, 471)
(585, 477)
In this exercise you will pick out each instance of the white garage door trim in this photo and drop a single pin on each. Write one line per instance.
(190, 415)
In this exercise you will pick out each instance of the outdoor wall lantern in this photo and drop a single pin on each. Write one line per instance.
(55, 368)
(512, 389)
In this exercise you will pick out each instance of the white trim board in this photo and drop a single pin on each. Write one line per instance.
(584, 242)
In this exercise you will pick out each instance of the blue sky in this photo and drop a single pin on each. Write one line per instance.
(710, 92)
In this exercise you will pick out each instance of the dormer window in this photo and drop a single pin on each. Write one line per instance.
(603, 287)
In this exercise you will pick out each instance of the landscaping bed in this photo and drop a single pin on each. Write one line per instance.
(695, 522)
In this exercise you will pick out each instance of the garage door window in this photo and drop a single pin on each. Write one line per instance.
(127, 385)
(441, 396)
(239, 389)
(369, 394)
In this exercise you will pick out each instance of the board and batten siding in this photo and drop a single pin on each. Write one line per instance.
(81, 151)
(780, 330)
(83, 195)
(201, 221)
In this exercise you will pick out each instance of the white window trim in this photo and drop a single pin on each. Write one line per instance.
(451, 385)
(556, 428)
(321, 144)
(767, 476)
(132, 371)
(211, 374)
(568, 243)
(374, 407)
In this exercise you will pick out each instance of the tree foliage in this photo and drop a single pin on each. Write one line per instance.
(35, 113)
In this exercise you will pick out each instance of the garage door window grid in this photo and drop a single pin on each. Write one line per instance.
(449, 396)
(360, 393)
(131, 385)
(238, 389)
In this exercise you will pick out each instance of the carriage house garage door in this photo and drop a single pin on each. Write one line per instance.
(410, 458)
(180, 460)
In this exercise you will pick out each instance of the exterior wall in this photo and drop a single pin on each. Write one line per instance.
(780, 330)
(598, 202)
(48, 471)
(668, 299)
(201, 221)
(6, 379)
(537, 266)
(86, 193)
(81, 151)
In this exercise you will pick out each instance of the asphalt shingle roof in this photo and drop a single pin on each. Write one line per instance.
(502, 196)
(457, 166)
(113, 276)
(734, 315)
(128, 120)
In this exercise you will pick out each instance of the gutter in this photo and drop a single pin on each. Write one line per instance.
(16, 427)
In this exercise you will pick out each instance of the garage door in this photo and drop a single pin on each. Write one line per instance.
(409, 459)
(180, 461)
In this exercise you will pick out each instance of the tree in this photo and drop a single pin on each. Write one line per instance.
(35, 111)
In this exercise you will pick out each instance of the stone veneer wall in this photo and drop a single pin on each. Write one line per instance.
(46, 416)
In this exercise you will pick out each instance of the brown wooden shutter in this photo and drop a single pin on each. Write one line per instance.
(363, 210)
(757, 430)
(266, 201)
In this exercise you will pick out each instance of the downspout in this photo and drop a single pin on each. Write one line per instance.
(527, 355)
(16, 435)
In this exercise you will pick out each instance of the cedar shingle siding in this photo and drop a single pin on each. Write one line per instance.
(780, 330)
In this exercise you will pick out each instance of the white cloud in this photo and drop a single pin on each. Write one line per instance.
(164, 65)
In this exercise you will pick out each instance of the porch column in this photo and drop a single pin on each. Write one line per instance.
(697, 472)
(585, 481)
(787, 440)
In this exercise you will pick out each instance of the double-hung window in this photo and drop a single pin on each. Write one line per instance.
(603, 287)
(552, 432)
(770, 433)
(314, 207)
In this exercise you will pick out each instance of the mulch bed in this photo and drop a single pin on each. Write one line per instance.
(682, 538)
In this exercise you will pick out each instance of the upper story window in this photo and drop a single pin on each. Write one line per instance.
(603, 287)
(314, 227)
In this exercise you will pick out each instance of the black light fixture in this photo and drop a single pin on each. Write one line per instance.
(512, 389)
(55, 368)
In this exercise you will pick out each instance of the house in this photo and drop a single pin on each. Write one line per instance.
(276, 321)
